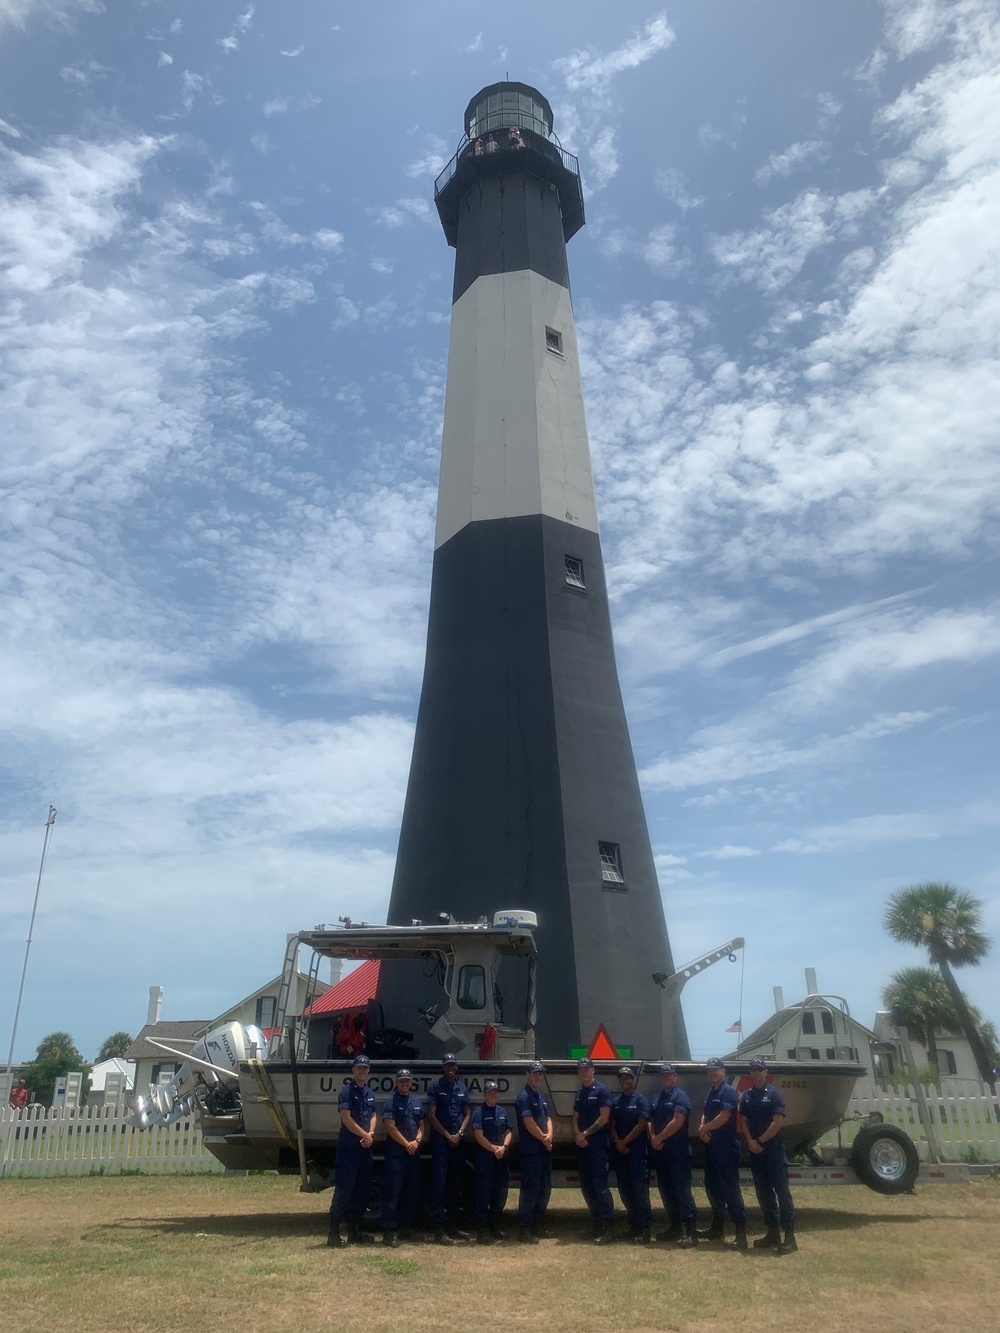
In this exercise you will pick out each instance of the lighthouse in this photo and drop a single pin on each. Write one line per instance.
(523, 790)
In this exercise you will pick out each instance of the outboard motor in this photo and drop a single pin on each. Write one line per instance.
(211, 1072)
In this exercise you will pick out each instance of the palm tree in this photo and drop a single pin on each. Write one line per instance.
(918, 1000)
(947, 923)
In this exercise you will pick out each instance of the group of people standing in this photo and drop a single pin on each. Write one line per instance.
(627, 1135)
(491, 144)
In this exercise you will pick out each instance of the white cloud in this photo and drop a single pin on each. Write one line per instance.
(674, 186)
(55, 13)
(784, 163)
(9, 130)
(431, 162)
(402, 212)
(475, 45)
(164, 59)
(328, 239)
(585, 71)
(293, 55)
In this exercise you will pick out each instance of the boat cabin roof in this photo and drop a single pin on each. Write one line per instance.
(419, 941)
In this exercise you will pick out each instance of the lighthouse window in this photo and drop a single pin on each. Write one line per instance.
(553, 341)
(471, 987)
(574, 572)
(613, 881)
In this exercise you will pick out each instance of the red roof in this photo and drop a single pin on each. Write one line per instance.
(354, 992)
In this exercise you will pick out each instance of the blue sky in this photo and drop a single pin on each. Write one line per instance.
(224, 323)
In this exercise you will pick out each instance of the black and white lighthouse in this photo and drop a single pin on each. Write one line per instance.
(523, 790)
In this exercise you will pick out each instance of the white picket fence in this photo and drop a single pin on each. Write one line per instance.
(95, 1141)
(966, 1123)
(98, 1140)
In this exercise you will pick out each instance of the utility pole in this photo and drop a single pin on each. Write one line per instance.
(9, 1074)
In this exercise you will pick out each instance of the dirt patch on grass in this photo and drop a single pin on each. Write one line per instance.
(175, 1252)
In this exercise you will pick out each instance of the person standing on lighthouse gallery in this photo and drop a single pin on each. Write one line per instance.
(591, 1113)
(449, 1113)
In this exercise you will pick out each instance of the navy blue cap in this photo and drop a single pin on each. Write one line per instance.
(758, 1062)
(403, 1073)
(361, 1060)
(536, 1067)
(667, 1068)
(715, 1063)
(625, 1071)
(449, 1059)
(584, 1062)
(491, 1085)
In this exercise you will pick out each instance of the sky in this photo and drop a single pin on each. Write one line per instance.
(224, 302)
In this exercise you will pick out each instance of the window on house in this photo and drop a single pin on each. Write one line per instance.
(831, 1054)
(946, 1062)
(267, 1006)
(553, 341)
(809, 1022)
(793, 1054)
(574, 572)
(612, 879)
(827, 1018)
(471, 987)
(813, 1053)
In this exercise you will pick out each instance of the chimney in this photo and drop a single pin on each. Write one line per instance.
(812, 986)
(779, 999)
(336, 970)
(155, 1004)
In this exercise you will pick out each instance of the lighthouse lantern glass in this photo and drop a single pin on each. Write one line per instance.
(500, 110)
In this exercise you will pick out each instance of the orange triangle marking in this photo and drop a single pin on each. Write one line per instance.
(602, 1047)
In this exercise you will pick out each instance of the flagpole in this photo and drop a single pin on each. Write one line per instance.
(9, 1080)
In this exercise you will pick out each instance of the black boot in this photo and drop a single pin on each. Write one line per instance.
(770, 1238)
(526, 1236)
(740, 1243)
(788, 1245)
(357, 1235)
(690, 1238)
(542, 1232)
(441, 1237)
(641, 1237)
(390, 1240)
(606, 1235)
(485, 1237)
(497, 1231)
(716, 1231)
(672, 1233)
(459, 1233)
(334, 1240)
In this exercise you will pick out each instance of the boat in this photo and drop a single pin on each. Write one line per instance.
(265, 1103)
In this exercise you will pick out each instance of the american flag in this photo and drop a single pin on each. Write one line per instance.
(735, 1027)
(52, 817)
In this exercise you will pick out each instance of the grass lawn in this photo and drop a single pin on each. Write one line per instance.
(174, 1252)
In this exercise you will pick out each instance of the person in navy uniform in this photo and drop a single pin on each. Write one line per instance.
(534, 1141)
(762, 1108)
(591, 1113)
(353, 1166)
(404, 1118)
(670, 1150)
(629, 1118)
(717, 1132)
(492, 1131)
(449, 1112)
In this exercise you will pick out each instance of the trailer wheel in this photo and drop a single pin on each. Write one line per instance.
(885, 1159)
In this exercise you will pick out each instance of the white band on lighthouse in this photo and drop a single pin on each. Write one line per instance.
(515, 435)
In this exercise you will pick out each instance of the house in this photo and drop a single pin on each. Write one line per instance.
(956, 1063)
(110, 1080)
(819, 1027)
(154, 1065)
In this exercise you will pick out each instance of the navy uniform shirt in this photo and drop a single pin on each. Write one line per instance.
(406, 1113)
(449, 1101)
(722, 1098)
(758, 1107)
(361, 1104)
(493, 1122)
(587, 1104)
(534, 1105)
(626, 1112)
(665, 1107)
